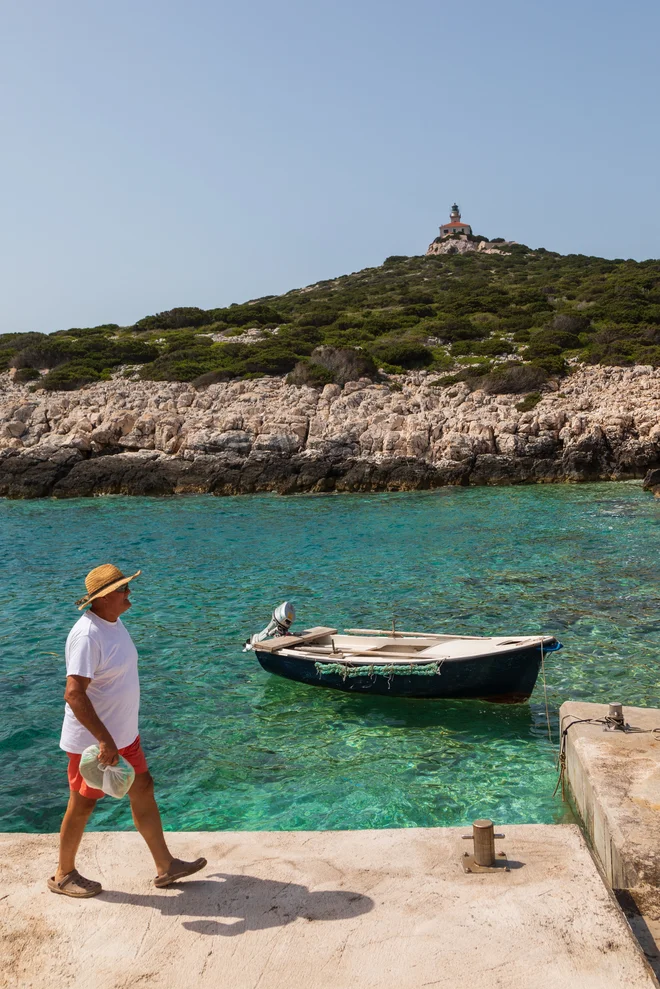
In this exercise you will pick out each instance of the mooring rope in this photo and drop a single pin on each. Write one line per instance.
(605, 722)
(545, 692)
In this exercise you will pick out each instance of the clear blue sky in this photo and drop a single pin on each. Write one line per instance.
(160, 154)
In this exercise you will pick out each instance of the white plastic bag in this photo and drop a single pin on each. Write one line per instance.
(116, 781)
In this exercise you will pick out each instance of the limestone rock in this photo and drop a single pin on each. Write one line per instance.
(264, 434)
(461, 244)
(652, 482)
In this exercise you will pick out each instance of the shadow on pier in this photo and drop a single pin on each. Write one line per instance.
(237, 903)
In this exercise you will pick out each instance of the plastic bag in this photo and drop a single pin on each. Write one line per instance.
(116, 781)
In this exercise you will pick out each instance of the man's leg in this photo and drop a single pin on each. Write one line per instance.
(146, 818)
(76, 817)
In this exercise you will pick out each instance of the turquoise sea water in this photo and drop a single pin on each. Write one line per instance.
(231, 746)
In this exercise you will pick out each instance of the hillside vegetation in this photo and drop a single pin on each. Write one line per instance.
(504, 321)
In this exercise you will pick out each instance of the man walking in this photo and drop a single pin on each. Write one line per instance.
(102, 702)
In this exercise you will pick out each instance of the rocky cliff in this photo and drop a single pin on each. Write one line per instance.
(462, 244)
(265, 435)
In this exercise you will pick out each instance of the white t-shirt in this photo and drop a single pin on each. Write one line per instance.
(104, 652)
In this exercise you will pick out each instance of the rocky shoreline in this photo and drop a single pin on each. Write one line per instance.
(161, 438)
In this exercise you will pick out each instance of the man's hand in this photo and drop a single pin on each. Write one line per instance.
(108, 754)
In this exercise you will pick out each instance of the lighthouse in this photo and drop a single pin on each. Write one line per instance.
(455, 226)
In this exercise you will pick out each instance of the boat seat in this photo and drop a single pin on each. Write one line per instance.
(472, 647)
(289, 641)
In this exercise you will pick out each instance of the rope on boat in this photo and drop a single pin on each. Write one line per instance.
(347, 670)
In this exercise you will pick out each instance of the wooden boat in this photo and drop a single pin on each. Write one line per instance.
(409, 664)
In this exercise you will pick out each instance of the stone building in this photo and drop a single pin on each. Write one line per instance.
(455, 226)
(456, 237)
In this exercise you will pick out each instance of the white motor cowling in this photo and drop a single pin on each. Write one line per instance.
(280, 623)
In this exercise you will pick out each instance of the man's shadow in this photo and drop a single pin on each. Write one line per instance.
(256, 903)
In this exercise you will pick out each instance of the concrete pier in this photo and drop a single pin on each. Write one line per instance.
(614, 780)
(319, 910)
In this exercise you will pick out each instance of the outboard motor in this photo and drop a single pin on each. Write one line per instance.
(280, 623)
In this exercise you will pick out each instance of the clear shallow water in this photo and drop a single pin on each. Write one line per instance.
(232, 747)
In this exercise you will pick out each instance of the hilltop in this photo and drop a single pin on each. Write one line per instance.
(462, 316)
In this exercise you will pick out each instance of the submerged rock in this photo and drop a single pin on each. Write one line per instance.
(652, 482)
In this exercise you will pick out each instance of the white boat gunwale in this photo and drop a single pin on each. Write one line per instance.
(366, 655)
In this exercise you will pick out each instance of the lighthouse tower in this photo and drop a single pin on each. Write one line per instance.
(455, 226)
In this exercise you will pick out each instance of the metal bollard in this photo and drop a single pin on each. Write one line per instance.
(483, 834)
(615, 720)
(483, 858)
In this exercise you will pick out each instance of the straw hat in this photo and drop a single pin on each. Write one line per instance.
(101, 581)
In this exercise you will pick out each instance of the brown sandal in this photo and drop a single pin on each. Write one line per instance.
(179, 870)
(73, 884)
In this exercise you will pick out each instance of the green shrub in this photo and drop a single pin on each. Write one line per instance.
(347, 321)
(301, 339)
(307, 372)
(441, 360)
(473, 375)
(570, 323)
(70, 376)
(20, 340)
(625, 346)
(512, 322)
(461, 348)
(318, 317)
(248, 314)
(418, 310)
(557, 338)
(176, 369)
(174, 319)
(405, 355)
(269, 358)
(47, 352)
(529, 402)
(347, 338)
(211, 378)
(87, 332)
(185, 341)
(493, 347)
(345, 363)
(461, 329)
(513, 379)
(129, 350)
(26, 374)
(540, 348)
(94, 351)
(551, 364)
(447, 379)
(228, 354)
(380, 323)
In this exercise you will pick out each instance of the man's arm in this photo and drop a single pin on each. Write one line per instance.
(76, 697)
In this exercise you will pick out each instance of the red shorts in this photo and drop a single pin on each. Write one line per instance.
(132, 753)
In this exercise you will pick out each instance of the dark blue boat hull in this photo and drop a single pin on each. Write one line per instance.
(506, 677)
